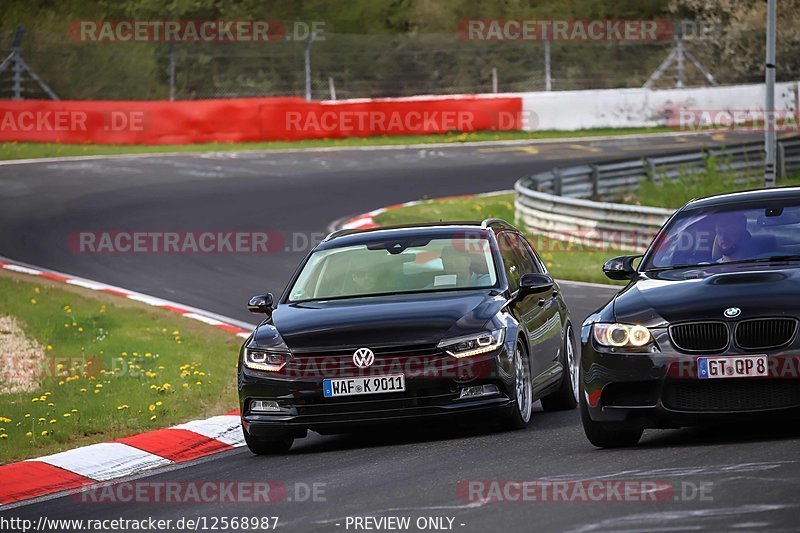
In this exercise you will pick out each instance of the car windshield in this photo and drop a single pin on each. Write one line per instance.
(395, 267)
(728, 234)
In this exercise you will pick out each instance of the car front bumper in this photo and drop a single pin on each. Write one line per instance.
(662, 389)
(430, 395)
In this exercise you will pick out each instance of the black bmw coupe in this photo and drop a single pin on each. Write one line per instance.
(706, 330)
(402, 323)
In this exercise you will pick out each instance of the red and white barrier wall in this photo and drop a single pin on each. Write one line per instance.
(250, 119)
(293, 119)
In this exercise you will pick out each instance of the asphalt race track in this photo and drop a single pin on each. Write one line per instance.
(724, 478)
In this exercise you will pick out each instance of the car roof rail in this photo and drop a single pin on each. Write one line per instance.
(351, 231)
(489, 222)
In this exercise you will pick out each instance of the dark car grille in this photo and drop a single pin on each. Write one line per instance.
(731, 395)
(765, 333)
(395, 359)
(707, 337)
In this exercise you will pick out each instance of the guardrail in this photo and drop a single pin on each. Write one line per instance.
(560, 203)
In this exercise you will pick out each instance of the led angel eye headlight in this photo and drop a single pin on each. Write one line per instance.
(621, 335)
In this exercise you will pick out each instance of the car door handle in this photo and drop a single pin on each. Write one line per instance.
(555, 293)
(541, 302)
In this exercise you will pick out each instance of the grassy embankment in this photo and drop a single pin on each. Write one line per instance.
(103, 367)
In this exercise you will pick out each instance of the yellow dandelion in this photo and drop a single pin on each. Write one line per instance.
(153, 417)
(3, 436)
(74, 410)
(159, 404)
(49, 346)
(97, 391)
(33, 301)
(121, 407)
(185, 385)
(74, 324)
(45, 433)
(67, 415)
(80, 330)
(152, 407)
(42, 420)
(53, 421)
(29, 434)
(27, 415)
(36, 290)
(83, 390)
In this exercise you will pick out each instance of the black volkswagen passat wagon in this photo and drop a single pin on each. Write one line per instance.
(706, 330)
(403, 323)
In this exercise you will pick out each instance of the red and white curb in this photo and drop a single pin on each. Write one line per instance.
(367, 220)
(105, 461)
(231, 325)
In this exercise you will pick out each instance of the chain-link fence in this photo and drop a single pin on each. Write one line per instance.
(351, 66)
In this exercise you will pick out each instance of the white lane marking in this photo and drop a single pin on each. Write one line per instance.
(204, 319)
(86, 284)
(24, 270)
(105, 460)
(224, 428)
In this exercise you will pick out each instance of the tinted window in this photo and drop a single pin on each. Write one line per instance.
(511, 260)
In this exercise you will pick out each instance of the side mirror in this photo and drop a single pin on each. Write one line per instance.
(535, 283)
(260, 303)
(621, 268)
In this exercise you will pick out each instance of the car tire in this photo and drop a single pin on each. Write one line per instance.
(267, 446)
(608, 434)
(523, 389)
(566, 397)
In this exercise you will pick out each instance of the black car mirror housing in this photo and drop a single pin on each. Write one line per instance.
(621, 268)
(535, 283)
(261, 303)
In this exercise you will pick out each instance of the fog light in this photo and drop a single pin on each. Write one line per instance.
(480, 390)
(263, 405)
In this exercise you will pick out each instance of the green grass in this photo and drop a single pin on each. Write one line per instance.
(715, 179)
(22, 150)
(570, 261)
(125, 368)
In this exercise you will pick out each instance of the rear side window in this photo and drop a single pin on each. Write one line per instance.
(511, 260)
(526, 257)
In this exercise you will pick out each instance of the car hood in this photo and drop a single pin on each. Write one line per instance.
(660, 298)
(380, 321)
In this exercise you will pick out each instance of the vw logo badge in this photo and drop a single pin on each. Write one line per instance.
(732, 312)
(363, 358)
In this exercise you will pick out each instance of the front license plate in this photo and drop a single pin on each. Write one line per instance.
(356, 386)
(732, 367)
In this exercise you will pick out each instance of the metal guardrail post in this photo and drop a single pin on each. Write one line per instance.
(781, 163)
(558, 182)
(595, 177)
(651, 175)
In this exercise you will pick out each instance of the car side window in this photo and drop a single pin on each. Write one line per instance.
(526, 258)
(511, 261)
(537, 260)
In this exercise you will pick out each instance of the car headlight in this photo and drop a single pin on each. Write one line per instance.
(264, 360)
(622, 335)
(476, 344)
